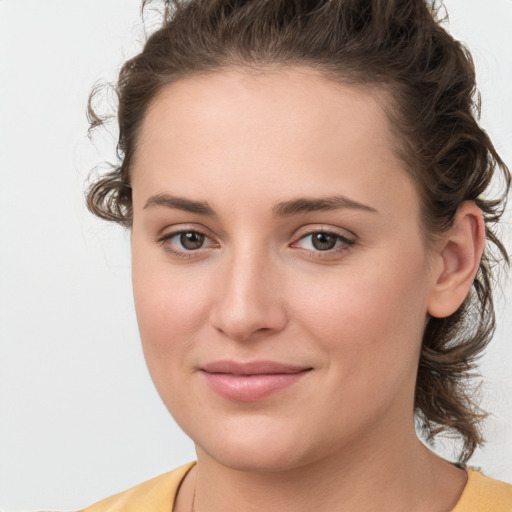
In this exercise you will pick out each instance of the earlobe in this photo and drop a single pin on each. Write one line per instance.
(459, 254)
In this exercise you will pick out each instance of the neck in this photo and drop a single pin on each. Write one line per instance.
(400, 475)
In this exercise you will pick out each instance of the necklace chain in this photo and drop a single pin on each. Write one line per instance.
(192, 508)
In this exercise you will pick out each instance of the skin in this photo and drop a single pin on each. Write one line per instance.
(342, 437)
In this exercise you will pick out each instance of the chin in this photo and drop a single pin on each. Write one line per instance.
(259, 447)
(255, 459)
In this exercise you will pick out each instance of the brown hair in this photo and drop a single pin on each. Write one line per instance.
(397, 45)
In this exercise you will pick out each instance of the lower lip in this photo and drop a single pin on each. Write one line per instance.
(247, 388)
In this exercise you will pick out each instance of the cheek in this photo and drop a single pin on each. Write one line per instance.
(171, 311)
(370, 322)
(171, 308)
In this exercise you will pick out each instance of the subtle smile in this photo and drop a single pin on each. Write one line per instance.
(246, 382)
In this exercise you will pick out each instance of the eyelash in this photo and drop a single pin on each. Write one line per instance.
(181, 253)
(346, 243)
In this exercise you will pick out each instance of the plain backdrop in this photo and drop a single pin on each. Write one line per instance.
(79, 418)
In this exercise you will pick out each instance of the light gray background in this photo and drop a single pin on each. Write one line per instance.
(79, 418)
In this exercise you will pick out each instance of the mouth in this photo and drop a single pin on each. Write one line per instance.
(251, 381)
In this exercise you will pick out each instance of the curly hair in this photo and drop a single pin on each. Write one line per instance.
(399, 46)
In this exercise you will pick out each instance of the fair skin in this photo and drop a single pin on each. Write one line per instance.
(273, 222)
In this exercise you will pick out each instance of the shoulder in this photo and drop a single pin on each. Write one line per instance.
(158, 494)
(483, 493)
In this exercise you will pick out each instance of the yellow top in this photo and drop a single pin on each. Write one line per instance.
(481, 494)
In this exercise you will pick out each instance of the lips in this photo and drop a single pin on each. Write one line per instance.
(250, 381)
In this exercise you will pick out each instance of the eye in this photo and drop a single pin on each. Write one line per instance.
(190, 240)
(186, 241)
(324, 241)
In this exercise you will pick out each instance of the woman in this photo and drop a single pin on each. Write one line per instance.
(306, 188)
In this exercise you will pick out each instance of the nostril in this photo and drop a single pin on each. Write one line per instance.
(249, 327)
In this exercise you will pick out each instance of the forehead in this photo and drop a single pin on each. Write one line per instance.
(293, 101)
(292, 130)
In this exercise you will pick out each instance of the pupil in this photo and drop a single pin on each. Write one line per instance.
(191, 240)
(324, 241)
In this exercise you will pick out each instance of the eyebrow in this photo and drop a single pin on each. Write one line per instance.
(180, 203)
(282, 209)
(305, 205)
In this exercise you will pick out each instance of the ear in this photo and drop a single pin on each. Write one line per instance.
(457, 257)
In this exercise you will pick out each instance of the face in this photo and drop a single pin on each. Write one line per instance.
(279, 268)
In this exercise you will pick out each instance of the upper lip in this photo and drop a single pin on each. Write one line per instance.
(252, 367)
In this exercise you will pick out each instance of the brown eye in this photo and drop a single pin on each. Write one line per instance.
(187, 243)
(191, 240)
(324, 241)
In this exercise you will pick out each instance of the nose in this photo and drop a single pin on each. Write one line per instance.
(249, 301)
